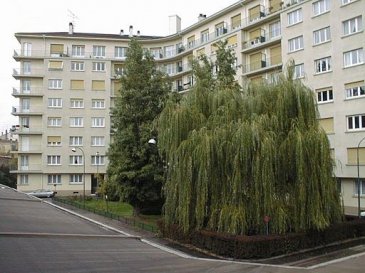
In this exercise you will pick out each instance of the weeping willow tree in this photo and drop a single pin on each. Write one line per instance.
(235, 156)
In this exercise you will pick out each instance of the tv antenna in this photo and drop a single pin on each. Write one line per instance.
(72, 16)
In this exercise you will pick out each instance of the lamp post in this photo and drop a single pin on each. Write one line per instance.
(83, 177)
(97, 160)
(358, 178)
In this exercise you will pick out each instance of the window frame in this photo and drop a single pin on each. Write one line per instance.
(295, 44)
(322, 33)
(324, 95)
(351, 120)
(53, 160)
(323, 6)
(328, 65)
(295, 17)
(359, 57)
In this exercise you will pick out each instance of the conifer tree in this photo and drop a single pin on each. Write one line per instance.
(135, 171)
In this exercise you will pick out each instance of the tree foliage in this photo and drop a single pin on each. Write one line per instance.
(236, 156)
(135, 171)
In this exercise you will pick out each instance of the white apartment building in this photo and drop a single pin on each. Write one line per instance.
(68, 82)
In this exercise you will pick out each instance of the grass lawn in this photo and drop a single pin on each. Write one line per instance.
(121, 209)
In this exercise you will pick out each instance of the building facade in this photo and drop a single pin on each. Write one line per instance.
(68, 82)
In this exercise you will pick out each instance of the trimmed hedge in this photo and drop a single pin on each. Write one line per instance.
(264, 246)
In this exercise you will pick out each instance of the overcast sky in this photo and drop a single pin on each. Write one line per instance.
(150, 17)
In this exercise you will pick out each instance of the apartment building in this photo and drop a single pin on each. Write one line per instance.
(68, 82)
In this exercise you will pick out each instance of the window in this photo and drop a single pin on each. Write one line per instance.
(296, 44)
(236, 21)
(97, 141)
(27, 49)
(54, 140)
(76, 103)
(77, 66)
(27, 68)
(76, 160)
(327, 125)
(120, 52)
(54, 160)
(191, 41)
(26, 86)
(98, 122)
(352, 25)
(170, 69)
(295, 17)
(99, 51)
(321, 35)
(54, 179)
(55, 103)
(23, 179)
(355, 89)
(98, 104)
(55, 65)
(220, 29)
(204, 37)
(324, 95)
(76, 122)
(54, 122)
(169, 51)
(156, 52)
(275, 30)
(78, 51)
(323, 65)
(97, 160)
(24, 105)
(353, 57)
(299, 71)
(344, 2)
(55, 84)
(320, 7)
(56, 50)
(362, 187)
(98, 66)
(352, 156)
(98, 85)
(75, 178)
(24, 162)
(77, 85)
(76, 140)
(356, 122)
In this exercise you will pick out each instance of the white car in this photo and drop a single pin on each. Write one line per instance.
(42, 193)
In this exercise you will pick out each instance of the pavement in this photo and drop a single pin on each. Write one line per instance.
(39, 236)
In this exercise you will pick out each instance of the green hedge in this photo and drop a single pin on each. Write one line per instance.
(263, 246)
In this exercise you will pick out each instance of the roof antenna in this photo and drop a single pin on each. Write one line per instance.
(72, 16)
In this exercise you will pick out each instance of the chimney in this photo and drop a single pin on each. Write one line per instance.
(130, 31)
(121, 32)
(174, 24)
(201, 17)
(70, 28)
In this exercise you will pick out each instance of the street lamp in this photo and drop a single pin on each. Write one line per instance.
(83, 177)
(358, 178)
(97, 160)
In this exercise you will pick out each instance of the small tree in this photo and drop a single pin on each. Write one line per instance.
(135, 167)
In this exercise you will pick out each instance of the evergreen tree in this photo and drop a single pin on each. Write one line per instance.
(135, 171)
(236, 156)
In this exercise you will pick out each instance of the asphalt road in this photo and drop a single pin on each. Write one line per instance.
(36, 236)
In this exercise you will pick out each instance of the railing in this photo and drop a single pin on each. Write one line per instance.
(126, 220)
(27, 168)
(264, 63)
(28, 130)
(260, 40)
(20, 110)
(29, 149)
(177, 69)
(18, 72)
(33, 91)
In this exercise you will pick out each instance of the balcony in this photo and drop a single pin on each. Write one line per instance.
(25, 73)
(29, 149)
(259, 42)
(19, 110)
(32, 92)
(33, 54)
(31, 168)
(261, 66)
(28, 130)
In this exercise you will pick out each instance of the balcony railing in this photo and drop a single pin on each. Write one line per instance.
(26, 168)
(21, 72)
(258, 65)
(33, 91)
(21, 110)
(176, 69)
(24, 129)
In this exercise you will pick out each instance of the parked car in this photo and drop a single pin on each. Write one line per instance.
(42, 193)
